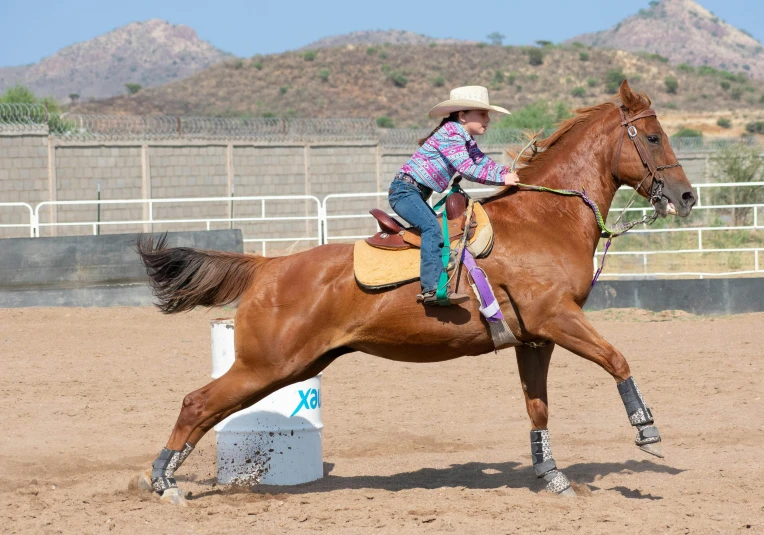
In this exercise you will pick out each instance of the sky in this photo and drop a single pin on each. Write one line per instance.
(32, 31)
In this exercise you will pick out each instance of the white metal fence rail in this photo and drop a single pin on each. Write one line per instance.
(322, 220)
(206, 223)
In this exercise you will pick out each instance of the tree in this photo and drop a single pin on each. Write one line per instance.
(132, 89)
(613, 79)
(537, 116)
(535, 56)
(672, 84)
(74, 97)
(738, 163)
(495, 38)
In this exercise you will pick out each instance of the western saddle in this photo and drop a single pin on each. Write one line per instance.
(394, 236)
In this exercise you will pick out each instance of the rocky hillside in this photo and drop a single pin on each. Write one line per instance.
(684, 32)
(403, 82)
(379, 37)
(148, 53)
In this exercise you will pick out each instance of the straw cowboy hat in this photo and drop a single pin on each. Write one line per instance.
(471, 97)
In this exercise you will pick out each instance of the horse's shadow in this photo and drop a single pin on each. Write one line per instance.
(473, 475)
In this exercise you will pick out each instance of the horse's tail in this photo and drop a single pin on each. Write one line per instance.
(183, 278)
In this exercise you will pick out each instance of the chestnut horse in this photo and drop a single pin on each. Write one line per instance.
(298, 313)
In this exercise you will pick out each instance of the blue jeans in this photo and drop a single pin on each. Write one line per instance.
(407, 202)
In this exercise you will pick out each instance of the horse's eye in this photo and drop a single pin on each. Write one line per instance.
(654, 139)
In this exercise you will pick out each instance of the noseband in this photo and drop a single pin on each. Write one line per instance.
(656, 186)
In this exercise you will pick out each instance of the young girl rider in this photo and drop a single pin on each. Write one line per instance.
(449, 149)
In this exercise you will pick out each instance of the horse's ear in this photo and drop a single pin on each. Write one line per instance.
(628, 97)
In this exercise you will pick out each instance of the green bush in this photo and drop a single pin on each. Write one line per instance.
(18, 94)
(755, 127)
(268, 115)
(439, 81)
(498, 78)
(591, 82)
(132, 89)
(371, 51)
(672, 84)
(536, 116)
(511, 79)
(578, 92)
(725, 84)
(238, 64)
(535, 56)
(724, 122)
(613, 79)
(736, 93)
(309, 55)
(683, 67)
(688, 132)
(258, 65)
(283, 89)
(583, 56)
(578, 44)
(657, 57)
(397, 78)
(324, 74)
(385, 122)
(482, 45)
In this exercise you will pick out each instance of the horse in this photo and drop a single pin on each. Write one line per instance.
(297, 314)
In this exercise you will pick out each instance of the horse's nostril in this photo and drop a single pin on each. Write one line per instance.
(688, 198)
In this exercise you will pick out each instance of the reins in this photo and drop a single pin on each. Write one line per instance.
(655, 193)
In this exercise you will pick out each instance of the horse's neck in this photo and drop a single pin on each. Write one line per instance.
(582, 161)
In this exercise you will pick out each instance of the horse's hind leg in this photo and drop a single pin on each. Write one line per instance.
(570, 329)
(533, 365)
(237, 389)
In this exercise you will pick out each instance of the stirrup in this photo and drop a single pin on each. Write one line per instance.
(453, 298)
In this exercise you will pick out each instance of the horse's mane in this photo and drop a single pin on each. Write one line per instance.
(545, 149)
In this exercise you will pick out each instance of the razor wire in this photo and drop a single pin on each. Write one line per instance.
(36, 119)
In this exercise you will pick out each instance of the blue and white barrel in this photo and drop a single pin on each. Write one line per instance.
(276, 441)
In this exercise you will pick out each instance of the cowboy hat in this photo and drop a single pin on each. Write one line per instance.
(471, 97)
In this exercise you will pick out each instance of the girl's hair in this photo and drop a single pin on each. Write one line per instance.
(454, 117)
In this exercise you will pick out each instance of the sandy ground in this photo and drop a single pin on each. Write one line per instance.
(88, 397)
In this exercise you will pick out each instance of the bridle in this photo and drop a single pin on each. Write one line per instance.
(656, 186)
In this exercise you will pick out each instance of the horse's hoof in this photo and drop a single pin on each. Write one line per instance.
(174, 496)
(656, 448)
(568, 493)
(141, 481)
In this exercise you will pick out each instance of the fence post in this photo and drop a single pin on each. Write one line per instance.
(146, 188)
(306, 163)
(230, 174)
(52, 188)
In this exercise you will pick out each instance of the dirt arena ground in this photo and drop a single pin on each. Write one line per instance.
(88, 397)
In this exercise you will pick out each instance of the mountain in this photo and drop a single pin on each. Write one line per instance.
(684, 32)
(148, 53)
(403, 82)
(379, 37)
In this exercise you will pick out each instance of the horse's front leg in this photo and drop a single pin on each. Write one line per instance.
(533, 365)
(570, 329)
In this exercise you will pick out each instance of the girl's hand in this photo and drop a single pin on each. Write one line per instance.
(511, 179)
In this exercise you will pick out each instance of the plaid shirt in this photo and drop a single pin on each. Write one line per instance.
(448, 151)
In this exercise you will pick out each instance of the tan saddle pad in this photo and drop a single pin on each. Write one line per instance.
(377, 268)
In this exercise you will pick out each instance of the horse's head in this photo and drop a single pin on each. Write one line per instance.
(644, 159)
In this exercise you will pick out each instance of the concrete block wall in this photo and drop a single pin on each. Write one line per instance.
(273, 171)
(342, 169)
(188, 171)
(23, 178)
(79, 170)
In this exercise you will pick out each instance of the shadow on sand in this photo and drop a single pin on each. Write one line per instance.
(473, 475)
